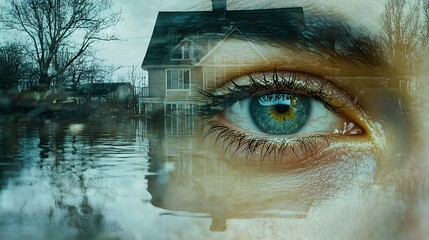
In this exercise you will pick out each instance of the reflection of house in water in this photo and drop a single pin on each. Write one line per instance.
(190, 51)
(106, 92)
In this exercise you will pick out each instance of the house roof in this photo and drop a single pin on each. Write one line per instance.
(205, 27)
(101, 89)
(236, 33)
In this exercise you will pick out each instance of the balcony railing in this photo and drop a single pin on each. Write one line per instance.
(148, 92)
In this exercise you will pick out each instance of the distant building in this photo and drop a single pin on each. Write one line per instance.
(105, 92)
(188, 51)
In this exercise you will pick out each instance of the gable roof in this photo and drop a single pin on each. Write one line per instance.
(205, 28)
(236, 33)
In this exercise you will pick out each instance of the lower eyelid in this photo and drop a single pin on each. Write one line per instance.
(288, 151)
(293, 153)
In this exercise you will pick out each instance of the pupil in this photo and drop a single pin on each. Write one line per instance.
(282, 108)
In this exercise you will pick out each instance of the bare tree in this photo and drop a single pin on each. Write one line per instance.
(55, 24)
(135, 77)
(401, 25)
(405, 26)
(86, 68)
(13, 65)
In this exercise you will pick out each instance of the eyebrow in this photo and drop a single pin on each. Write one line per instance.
(341, 40)
(284, 27)
(324, 36)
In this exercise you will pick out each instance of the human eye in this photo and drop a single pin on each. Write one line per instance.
(281, 115)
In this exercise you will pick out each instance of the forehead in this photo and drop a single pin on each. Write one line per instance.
(356, 12)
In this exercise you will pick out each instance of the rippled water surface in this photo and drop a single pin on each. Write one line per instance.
(62, 180)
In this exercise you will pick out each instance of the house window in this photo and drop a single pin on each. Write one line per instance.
(178, 79)
(186, 51)
(183, 52)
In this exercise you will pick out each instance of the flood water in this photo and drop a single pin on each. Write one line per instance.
(122, 178)
(88, 180)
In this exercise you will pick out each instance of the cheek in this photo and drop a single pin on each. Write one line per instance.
(353, 213)
(336, 170)
(345, 169)
(341, 197)
(337, 192)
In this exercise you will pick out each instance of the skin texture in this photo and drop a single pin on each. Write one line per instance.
(367, 186)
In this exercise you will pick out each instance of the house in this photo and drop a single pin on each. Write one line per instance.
(106, 92)
(189, 51)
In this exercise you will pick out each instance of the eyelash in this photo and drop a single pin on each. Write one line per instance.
(251, 144)
(219, 102)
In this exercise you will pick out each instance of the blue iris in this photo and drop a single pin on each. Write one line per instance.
(280, 113)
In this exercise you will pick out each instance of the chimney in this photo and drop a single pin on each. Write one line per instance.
(219, 8)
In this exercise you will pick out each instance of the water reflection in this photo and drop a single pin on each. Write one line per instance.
(10, 164)
(130, 179)
(62, 180)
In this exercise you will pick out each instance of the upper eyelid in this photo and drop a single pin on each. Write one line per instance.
(293, 82)
(332, 97)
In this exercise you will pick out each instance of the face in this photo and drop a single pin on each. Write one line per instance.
(310, 138)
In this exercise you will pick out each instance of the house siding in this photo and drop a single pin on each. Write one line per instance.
(197, 80)
(157, 83)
